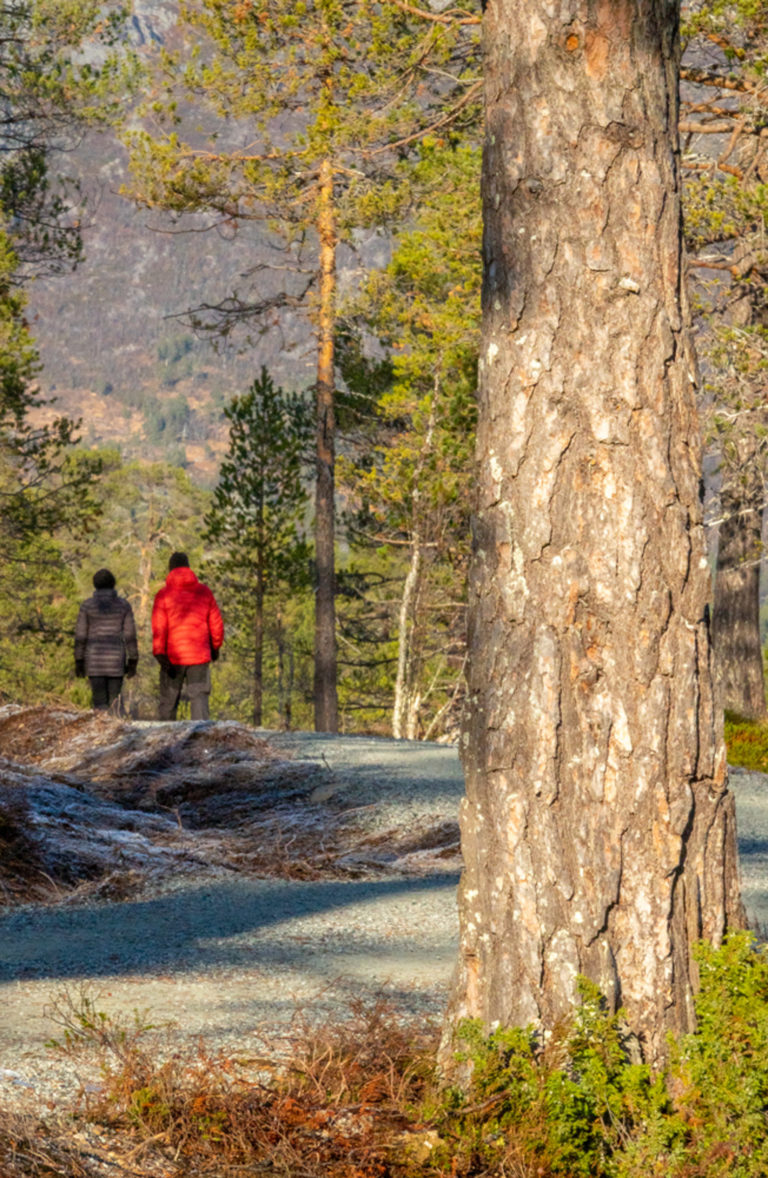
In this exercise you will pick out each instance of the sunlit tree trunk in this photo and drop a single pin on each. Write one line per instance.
(405, 711)
(736, 618)
(258, 644)
(144, 604)
(597, 831)
(404, 678)
(325, 690)
(284, 674)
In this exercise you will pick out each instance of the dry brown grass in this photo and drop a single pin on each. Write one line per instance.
(31, 1149)
(341, 1107)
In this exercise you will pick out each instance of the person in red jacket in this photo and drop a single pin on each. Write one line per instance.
(187, 633)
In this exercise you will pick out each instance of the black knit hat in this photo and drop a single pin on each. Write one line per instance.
(179, 560)
(103, 579)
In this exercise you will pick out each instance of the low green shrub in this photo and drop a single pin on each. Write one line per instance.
(720, 1073)
(577, 1105)
(566, 1106)
(747, 743)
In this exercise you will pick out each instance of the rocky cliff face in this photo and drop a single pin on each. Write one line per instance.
(116, 348)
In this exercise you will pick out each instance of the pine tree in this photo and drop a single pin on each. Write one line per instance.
(48, 94)
(61, 70)
(726, 213)
(737, 425)
(598, 831)
(315, 102)
(256, 518)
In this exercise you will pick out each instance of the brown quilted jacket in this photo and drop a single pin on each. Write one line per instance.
(105, 634)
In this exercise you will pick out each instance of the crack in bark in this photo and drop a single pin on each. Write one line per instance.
(615, 903)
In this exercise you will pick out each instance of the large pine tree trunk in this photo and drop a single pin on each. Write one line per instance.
(736, 618)
(597, 831)
(325, 693)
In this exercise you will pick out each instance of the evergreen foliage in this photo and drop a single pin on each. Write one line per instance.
(291, 86)
(256, 519)
(38, 608)
(580, 1104)
(315, 104)
(48, 93)
(409, 467)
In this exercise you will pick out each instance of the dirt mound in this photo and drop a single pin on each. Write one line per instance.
(191, 768)
(21, 865)
(95, 807)
(91, 805)
(38, 735)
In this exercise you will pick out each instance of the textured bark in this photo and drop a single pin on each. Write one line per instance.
(325, 693)
(597, 831)
(736, 618)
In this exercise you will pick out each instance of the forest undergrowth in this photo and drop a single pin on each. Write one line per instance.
(747, 742)
(364, 1099)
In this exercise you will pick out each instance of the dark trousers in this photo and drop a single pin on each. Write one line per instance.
(197, 681)
(105, 692)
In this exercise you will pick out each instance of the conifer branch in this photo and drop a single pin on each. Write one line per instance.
(445, 121)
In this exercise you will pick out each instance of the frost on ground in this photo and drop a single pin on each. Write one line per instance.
(226, 881)
(92, 807)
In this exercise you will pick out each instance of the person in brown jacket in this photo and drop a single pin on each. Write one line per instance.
(106, 648)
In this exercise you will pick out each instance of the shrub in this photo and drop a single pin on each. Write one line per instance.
(565, 1106)
(361, 1099)
(578, 1104)
(747, 743)
(719, 1074)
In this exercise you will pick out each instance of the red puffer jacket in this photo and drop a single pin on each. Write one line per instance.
(186, 622)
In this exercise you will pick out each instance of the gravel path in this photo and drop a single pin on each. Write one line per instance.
(751, 793)
(235, 960)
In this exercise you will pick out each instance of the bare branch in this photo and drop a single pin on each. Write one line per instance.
(450, 16)
(688, 128)
(708, 78)
(445, 121)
